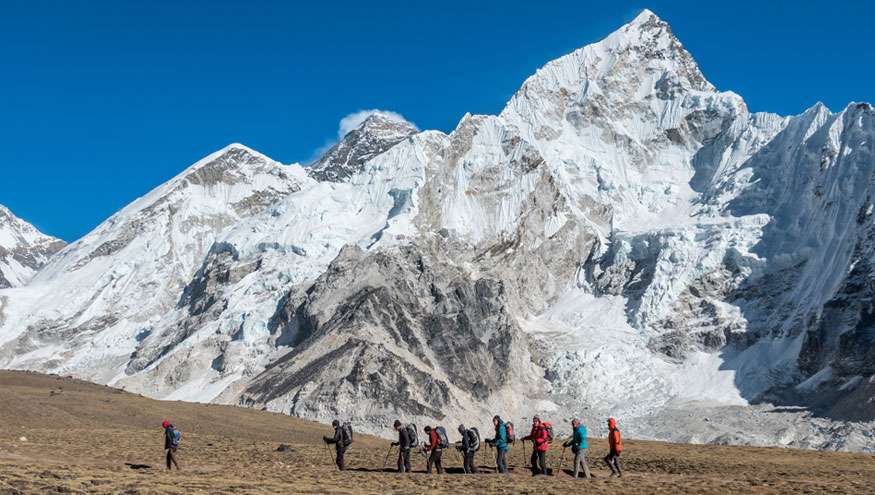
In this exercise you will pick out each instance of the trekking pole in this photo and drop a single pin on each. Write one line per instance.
(562, 458)
(330, 458)
(388, 453)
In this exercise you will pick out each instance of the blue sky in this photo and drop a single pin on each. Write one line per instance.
(101, 101)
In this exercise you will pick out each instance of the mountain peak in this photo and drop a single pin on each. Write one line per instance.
(385, 126)
(644, 17)
(23, 249)
(386, 118)
(374, 135)
(649, 31)
(642, 58)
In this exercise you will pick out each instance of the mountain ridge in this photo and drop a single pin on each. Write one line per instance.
(24, 250)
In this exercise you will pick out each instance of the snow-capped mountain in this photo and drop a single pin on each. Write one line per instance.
(622, 239)
(23, 249)
(378, 133)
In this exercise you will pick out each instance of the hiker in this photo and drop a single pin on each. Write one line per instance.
(341, 441)
(404, 443)
(468, 447)
(435, 447)
(615, 442)
(500, 443)
(540, 443)
(578, 445)
(171, 443)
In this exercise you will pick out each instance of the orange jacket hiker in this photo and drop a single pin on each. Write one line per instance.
(615, 441)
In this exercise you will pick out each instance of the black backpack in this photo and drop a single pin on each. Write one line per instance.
(474, 439)
(412, 435)
(346, 433)
(442, 435)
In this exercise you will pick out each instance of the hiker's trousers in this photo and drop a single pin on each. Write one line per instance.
(613, 462)
(341, 450)
(539, 462)
(468, 458)
(434, 459)
(501, 460)
(580, 463)
(404, 460)
(171, 457)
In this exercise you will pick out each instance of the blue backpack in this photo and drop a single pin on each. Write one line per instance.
(176, 437)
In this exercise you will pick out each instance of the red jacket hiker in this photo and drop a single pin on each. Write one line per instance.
(539, 437)
(615, 441)
(434, 440)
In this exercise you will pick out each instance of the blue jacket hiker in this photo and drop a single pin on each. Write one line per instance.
(500, 444)
(578, 446)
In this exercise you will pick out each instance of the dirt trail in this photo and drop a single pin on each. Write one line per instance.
(85, 438)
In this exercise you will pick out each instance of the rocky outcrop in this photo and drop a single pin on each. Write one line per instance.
(399, 331)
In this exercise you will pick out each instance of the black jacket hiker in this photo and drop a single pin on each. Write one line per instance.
(466, 447)
(404, 442)
(339, 446)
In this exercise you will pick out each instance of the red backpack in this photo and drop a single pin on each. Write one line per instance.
(508, 428)
(549, 427)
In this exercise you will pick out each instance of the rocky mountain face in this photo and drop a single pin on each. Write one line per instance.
(622, 239)
(396, 330)
(376, 134)
(23, 249)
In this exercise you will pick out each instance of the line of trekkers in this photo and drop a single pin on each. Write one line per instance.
(541, 437)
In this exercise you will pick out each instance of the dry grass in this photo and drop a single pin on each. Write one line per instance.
(81, 438)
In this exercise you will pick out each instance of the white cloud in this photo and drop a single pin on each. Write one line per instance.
(355, 119)
(352, 121)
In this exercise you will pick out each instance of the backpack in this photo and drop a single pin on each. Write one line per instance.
(442, 435)
(474, 439)
(412, 435)
(549, 428)
(176, 438)
(508, 428)
(346, 433)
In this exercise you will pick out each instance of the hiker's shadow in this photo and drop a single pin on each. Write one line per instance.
(570, 472)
